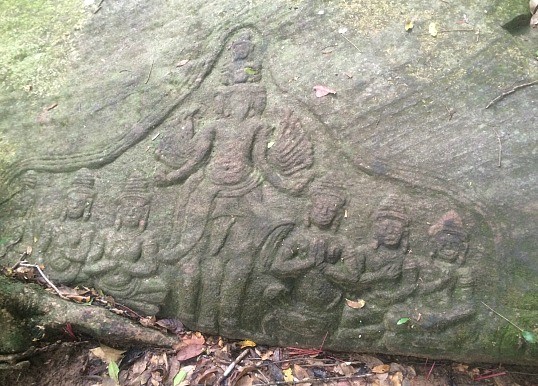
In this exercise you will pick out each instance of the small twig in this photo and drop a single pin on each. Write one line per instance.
(350, 42)
(430, 372)
(150, 70)
(230, 368)
(511, 91)
(293, 351)
(28, 265)
(490, 376)
(509, 321)
(500, 147)
(323, 341)
(52, 106)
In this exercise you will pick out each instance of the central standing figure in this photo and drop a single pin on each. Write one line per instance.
(225, 163)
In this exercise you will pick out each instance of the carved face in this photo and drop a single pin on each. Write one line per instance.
(133, 213)
(76, 203)
(241, 49)
(388, 231)
(21, 204)
(449, 247)
(324, 210)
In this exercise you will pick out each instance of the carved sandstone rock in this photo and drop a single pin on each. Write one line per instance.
(223, 192)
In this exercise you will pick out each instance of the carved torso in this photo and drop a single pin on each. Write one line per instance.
(231, 156)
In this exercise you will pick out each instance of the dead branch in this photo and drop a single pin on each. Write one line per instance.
(230, 368)
(511, 91)
(28, 265)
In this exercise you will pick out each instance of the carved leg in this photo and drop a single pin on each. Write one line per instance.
(234, 284)
(188, 286)
(211, 276)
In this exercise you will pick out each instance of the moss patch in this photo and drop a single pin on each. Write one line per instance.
(36, 42)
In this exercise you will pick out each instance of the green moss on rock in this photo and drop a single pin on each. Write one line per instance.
(36, 42)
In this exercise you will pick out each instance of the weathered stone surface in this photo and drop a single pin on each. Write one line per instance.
(185, 166)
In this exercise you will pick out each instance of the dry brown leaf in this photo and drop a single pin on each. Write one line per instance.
(173, 325)
(209, 376)
(322, 91)
(189, 340)
(247, 343)
(396, 379)
(382, 378)
(79, 298)
(246, 380)
(368, 360)
(139, 366)
(300, 373)
(395, 367)
(347, 369)
(381, 369)
(460, 367)
(359, 303)
(266, 355)
(148, 321)
(190, 351)
(107, 354)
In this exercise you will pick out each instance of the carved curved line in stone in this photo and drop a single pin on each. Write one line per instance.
(407, 176)
(70, 162)
(292, 151)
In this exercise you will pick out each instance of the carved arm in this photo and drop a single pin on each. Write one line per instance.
(203, 143)
(292, 260)
(347, 270)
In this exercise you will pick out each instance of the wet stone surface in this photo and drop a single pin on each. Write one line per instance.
(191, 171)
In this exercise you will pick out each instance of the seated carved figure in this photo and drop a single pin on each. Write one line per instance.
(445, 288)
(16, 221)
(446, 285)
(315, 266)
(387, 257)
(122, 260)
(389, 277)
(65, 244)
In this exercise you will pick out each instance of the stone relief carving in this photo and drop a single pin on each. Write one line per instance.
(313, 266)
(389, 277)
(257, 238)
(122, 258)
(67, 240)
(17, 223)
